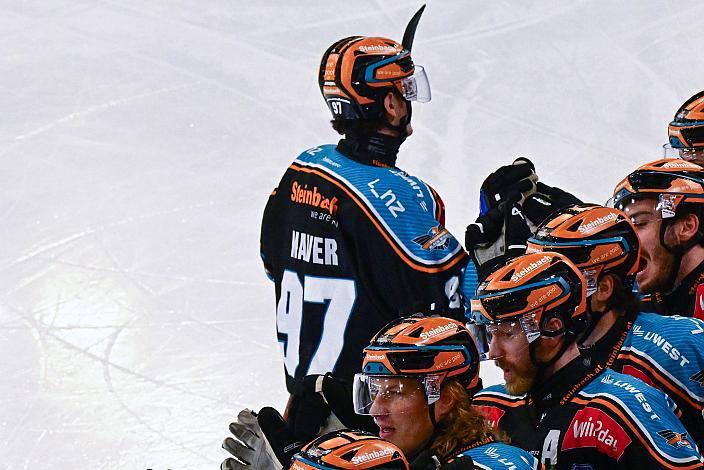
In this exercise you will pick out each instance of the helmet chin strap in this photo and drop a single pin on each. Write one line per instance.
(594, 317)
(541, 367)
(677, 253)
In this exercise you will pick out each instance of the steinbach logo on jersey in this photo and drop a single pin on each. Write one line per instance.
(437, 238)
(675, 439)
(591, 427)
(312, 197)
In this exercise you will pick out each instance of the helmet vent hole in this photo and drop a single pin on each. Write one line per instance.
(415, 333)
(508, 276)
(575, 226)
(349, 455)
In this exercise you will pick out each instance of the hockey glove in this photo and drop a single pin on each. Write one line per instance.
(510, 182)
(249, 448)
(461, 462)
(546, 200)
(497, 236)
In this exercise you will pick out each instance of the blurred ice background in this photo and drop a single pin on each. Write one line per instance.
(140, 140)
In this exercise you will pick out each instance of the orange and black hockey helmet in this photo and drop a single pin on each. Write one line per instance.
(357, 72)
(672, 181)
(349, 449)
(526, 292)
(432, 349)
(686, 131)
(597, 239)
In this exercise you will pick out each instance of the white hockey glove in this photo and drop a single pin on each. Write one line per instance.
(249, 448)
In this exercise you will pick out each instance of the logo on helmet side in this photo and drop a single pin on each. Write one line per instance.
(438, 330)
(530, 268)
(377, 48)
(373, 455)
(598, 222)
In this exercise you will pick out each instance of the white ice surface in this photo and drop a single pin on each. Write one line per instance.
(139, 142)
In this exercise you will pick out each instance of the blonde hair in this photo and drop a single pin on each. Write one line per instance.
(463, 425)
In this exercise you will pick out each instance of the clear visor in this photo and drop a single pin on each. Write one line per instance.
(379, 395)
(510, 335)
(665, 208)
(416, 87)
(694, 155)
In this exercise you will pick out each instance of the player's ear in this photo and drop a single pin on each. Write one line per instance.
(395, 108)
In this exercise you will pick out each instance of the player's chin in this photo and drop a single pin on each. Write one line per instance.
(516, 383)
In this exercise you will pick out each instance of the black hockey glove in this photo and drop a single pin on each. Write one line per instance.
(546, 200)
(497, 236)
(510, 182)
(279, 435)
(321, 403)
(249, 447)
(461, 462)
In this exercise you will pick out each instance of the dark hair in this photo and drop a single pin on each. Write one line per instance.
(356, 126)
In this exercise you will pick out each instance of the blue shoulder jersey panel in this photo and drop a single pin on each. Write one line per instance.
(401, 206)
(674, 345)
(647, 411)
(499, 455)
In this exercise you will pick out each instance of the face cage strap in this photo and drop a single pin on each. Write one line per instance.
(541, 367)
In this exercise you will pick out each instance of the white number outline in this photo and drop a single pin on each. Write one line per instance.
(339, 294)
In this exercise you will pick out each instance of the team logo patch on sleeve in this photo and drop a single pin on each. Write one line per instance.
(437, 238)
(675, 439)
(492, 414)
(591, 427)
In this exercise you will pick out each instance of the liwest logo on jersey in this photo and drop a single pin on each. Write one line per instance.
(301, 194)
(591, 427)
(437, 238)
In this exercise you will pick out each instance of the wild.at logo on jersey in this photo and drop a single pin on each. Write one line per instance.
(301, 194)
(591, 427)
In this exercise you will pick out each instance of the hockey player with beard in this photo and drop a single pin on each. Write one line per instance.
(666, 352)
(419, 374)
(665, 201)
(560, 402)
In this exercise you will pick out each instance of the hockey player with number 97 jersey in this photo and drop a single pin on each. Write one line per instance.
(350, 240)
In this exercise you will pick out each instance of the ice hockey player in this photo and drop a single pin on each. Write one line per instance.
(666, 352)
(665, 200)
(686, 131)
(558, 403)
(350, 240)
(349, 449)
(418, 377)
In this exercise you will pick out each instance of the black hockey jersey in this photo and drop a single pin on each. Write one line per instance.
(598, 420)
(350, 247)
